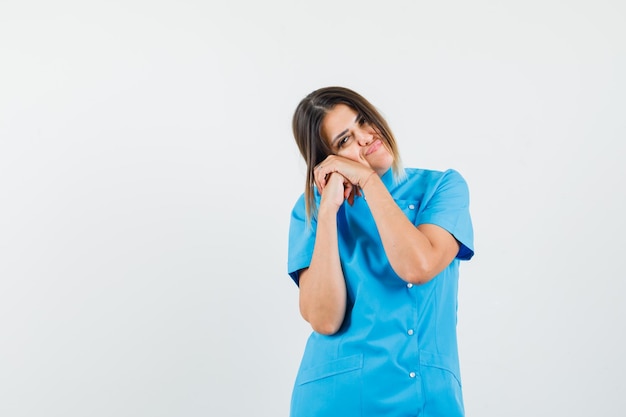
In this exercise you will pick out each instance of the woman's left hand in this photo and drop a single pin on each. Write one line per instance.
(355, 173)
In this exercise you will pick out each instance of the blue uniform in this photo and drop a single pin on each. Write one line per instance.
(396, 351)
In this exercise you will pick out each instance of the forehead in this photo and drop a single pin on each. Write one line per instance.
(337, 120)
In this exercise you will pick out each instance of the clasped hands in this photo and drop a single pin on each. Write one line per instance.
(338, 178)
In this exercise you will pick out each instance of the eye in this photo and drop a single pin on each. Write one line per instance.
(343, 141)
(361, 120)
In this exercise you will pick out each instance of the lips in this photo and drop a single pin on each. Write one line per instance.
(374, 147)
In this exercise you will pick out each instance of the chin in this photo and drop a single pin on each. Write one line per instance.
(382, 166)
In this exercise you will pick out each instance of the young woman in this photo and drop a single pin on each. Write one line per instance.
(375, 250)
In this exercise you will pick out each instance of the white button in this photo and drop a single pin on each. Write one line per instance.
(412, 374)
(410, 332)
(411, 206)
(409, 285)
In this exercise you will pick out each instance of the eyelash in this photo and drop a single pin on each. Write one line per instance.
(343, 141)
(360, 121)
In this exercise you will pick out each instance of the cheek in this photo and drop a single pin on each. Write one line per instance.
(350, 153)
(382, 159)
(388, 157)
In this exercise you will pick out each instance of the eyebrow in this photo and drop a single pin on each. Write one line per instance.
(332, 142)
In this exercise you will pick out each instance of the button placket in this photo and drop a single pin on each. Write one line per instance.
(410, 333)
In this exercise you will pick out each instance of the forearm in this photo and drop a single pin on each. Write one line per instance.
(322, 285)
(411, 253)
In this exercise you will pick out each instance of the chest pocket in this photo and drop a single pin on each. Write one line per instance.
(410, 208)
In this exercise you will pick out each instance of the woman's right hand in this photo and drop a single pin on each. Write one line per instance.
(322, 284)
(336, 191)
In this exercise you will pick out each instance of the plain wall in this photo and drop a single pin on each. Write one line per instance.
(147, 174)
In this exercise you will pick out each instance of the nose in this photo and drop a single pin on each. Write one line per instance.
(364, 138)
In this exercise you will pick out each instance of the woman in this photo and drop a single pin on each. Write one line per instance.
(375, 250)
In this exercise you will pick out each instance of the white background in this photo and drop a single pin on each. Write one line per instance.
(147, 173)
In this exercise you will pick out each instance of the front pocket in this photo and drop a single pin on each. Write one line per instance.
(443, 362)
(441, 386)
(330, 389)
(328, 369)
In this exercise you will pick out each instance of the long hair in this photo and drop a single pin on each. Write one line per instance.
(307, 131)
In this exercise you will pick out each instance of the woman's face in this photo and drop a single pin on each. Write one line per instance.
(349, 136)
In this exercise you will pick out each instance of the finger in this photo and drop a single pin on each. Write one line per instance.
(316, 177)
(319, 179)
(347, 191)
(321, 182)
(320, 188)
(353, 193)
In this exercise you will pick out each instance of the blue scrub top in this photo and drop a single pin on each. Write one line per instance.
(396, 352)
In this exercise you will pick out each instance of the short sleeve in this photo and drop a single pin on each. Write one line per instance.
(301, 240)
(447, 206)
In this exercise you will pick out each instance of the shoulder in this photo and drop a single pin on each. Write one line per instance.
(431, 175)
(429, 179)
(299, 208)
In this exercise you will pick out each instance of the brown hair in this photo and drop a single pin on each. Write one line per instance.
(307, 131)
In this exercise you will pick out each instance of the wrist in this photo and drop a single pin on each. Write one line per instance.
(366, 180)
(327, 208)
